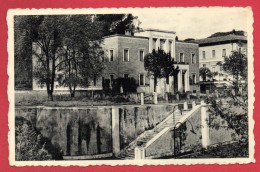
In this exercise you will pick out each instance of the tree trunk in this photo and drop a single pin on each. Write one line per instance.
(155, 84)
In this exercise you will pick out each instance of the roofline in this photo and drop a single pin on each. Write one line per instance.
(128, 36)
(221, 42)
(186, 42)
(159, 30)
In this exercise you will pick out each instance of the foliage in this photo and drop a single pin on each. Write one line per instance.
(205, 72)
(28, 145)
(23, 49)
(236, 65)
(239, 32)
(81, 53)
(116, 23)
(234, 110)
(159, 65)
(68, 48)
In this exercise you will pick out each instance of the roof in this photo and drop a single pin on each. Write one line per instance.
(186, 42)
(220, 40)
(159, 30)
(127, 36)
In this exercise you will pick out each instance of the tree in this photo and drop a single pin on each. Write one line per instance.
(81, 53)
(233, 108)
(152, 63)
(116, 23)
(236, 65)
(49, 40)
(205, 72)
(234, 32)
(24, 33)
(28, 143)
(168, 69)
(159, 65)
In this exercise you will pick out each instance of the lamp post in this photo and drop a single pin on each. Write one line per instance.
(174, 135)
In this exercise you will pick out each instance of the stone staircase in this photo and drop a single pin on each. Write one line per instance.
(129, 151)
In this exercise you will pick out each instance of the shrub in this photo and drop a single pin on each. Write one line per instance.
(28, 145)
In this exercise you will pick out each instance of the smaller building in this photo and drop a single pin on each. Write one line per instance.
(188, 53)
(212, 52)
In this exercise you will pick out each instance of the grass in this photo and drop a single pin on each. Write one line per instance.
(63, 99)
(234, 150)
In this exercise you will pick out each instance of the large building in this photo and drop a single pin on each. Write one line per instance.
(213, 50)
(124, 58)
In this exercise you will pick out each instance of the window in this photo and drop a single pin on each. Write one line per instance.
(213, 54)
(111, 80)
(193, 58)
(141, 55)
(181, 57)
(193, 78)
(111, 55)
(213, 69)
(170, 48)
(224, 53)
(162, 43)
(204, 54)
(126, 55)
(126, 75)
(141, 79)
(204, 65)
(154, 44)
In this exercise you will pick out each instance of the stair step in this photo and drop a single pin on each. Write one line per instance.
(129, 152)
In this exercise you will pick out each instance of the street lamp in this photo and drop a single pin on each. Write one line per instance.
(174, 135)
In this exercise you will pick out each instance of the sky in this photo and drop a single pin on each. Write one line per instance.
(194, 22)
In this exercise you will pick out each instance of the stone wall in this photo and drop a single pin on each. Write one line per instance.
(219, 131)
(135, 120)
(83, 131)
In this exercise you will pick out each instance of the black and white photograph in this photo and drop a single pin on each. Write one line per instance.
(130, 86)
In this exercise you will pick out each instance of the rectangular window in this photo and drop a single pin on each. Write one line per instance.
(193, 58)
(126, 55)
(154, 44)
(111, 55)
(213, 54)
(204, 65)
(111, 80)
(193, 78)
(141, 79)
(126, 75)
(141, 55)
(181, 57)
(224, 53)
(204, 54)
(213, 69)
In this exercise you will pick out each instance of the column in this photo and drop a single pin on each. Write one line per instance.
(157, 44)
(139, 153)
(115, 130)
(179, 80)
(166, 46)
(150, 44)
(204, 126)
(142, 98)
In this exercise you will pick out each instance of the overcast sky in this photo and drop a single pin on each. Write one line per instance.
(194, 22)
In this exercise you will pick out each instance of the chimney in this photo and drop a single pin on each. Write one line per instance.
(128, 32)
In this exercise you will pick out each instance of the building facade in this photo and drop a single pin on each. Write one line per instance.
(213, 50)
(188, 53)
(124, 58)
